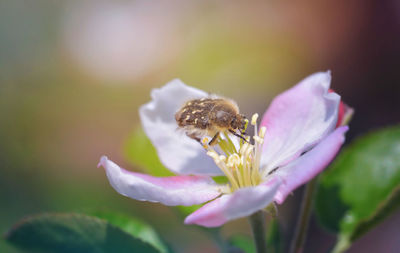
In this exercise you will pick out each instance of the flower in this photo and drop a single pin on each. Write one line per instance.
(297, 138)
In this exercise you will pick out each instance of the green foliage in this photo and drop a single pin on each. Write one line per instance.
(134, 227)
(77, 233)
(140, 152)
(241, 243)
(221, 179)
(184, 211)
(362, 187)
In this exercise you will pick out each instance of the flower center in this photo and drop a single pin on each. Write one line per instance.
(240, 163)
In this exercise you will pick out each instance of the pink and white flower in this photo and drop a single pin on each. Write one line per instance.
(299, 135)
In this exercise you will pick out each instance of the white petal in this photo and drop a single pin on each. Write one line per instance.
(298, 119)
(171, 191)
(177, 152)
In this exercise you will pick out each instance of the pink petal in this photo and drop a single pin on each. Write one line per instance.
(310, 164)
(171, 191)
(176, 151)
(298, 119)
(241, 203)
(344, 114)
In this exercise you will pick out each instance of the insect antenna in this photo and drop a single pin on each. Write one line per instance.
(238, 135)
(214, 139)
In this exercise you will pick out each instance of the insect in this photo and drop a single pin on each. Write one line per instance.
(210, 116)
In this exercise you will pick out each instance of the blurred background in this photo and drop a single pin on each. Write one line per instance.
(73, 74)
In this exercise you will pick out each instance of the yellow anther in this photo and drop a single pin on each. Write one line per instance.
(204, 141)
(262, 131)
(233, 160)
(241, 165)
(254, 119)
(222, 158)
(258, 139)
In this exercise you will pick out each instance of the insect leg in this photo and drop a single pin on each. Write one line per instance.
(238, 135)
(194, 137)
(214, 139)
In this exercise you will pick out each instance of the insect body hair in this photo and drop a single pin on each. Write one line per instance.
(209, 116)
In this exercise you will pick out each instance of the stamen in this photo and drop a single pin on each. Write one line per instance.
(228, 174)
(220, 161)
(233, 160)
(248, 152)
(243, 148)
(239, 164)
(258, 139)
(213, 155)
(234, 164)
(262, 132)
(205, 142)
(254, 119)
(245, 162)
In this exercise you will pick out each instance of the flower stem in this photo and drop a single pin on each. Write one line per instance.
(304, 218)
(257, 222)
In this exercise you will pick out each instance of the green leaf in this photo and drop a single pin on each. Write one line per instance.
(140, 152)
(362, 187)
(134, 227)
(241, 243)
(184, 211)
(75, 233)
(220, 179)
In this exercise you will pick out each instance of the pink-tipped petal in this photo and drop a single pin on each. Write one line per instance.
(309, 165)
(298, 119)
(345, 114)
(176, 151)
(171, 191)
(243, 202)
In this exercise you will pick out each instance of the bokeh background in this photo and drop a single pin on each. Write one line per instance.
(73, 74)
